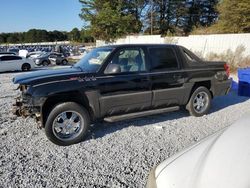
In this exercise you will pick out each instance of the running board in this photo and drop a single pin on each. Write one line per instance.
(140, 114)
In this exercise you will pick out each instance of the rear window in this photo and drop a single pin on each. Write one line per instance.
(163, 58)
(191, 57)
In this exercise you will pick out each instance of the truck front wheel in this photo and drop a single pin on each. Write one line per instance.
(199, 102)
(67, 124)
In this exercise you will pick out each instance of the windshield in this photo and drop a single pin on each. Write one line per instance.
(41, 54)
(93, 60)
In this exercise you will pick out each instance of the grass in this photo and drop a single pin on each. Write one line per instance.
(235, 59)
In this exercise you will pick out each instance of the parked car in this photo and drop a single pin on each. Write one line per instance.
(58, 59)
(47, 58)
(221, 160)
(33, 55)
(42, 59)
(116, 83)
(15, 63)
(14, 50)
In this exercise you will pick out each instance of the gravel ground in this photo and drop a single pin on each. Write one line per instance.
(114, 155)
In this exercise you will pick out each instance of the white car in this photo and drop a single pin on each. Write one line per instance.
(15, 63)
(219, 161)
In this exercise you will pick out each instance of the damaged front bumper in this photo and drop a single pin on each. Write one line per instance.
(22, 109)
(28, 106)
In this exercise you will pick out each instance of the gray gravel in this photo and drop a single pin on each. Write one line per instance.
(114, 155)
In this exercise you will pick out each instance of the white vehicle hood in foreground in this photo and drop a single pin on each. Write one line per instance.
(220, 161)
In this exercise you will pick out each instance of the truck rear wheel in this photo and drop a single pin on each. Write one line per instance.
(67, 124)
(200, 102)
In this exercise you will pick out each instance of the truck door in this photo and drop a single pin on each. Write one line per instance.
(128, 89)
(166, 77)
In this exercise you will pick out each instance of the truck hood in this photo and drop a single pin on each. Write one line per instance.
(221, 160)
(27, 78)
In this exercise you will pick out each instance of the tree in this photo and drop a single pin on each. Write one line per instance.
(110, 19)
(234, 16)
(12, 39)
(201, 14)
(179, 17)
(57, 36)
(38, 35)
(75, 35)
(2, 39)
(30, 36)
(86, 36)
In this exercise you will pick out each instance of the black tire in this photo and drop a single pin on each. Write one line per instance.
(64, 62)
(45, 63)
(198, 106)
(26, 67)
(53, 119)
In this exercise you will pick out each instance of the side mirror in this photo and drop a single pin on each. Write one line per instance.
(112, 69)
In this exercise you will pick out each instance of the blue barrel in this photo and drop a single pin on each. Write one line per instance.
(244, 75)
(244, 82)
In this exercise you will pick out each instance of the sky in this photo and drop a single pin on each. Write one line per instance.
(22, 15)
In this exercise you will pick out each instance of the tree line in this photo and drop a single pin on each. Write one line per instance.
(111, 19)
(40, 35)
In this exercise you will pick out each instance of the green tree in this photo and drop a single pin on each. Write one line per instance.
(13, 38)
(2, 39)
(234, 16)
(57, 36)
(86, 36)
(42, 36)
(38, 35)
(75, 35)
(30, 36)
(110, 19)
(179, 17)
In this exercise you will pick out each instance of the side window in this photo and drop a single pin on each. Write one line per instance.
(4, 58)
(10, 58)
(16, 58)
(163, 58)
(130, 60)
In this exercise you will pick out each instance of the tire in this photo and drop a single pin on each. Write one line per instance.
(200, 102)
(64, 62)
(64, 135)
(26, 67)
(45, 63)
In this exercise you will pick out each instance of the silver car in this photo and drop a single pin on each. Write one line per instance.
(219, 161)
(45, 59)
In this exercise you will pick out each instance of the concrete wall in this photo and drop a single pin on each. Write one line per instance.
(203, 44)
(219, 43)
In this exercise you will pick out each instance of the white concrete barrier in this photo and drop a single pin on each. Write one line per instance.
(218, 43)
(204, 44)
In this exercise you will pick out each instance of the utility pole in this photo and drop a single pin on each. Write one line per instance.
(151, 17)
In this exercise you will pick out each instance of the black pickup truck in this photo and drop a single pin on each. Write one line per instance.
(114, 83)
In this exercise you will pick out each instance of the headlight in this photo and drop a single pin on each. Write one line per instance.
(37, 60)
